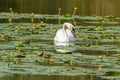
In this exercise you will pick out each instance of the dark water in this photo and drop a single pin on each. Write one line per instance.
(85, 7)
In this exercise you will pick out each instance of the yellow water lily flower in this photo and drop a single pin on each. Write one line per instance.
(17, 48)
(10, 9)
(10, 20)
(11, 55)
(32, 20)
(75, 8)
(2, 36)
(100, 56)
(32, 14)
(18, 28)
(99, 67)
(59, 9)
(103, 21)
(98, 28)
(17, 62)
(11, 62)
(54, 30)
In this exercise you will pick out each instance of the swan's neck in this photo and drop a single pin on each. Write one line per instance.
(65, 33)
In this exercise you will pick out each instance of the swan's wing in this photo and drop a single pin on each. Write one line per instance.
(60, 36)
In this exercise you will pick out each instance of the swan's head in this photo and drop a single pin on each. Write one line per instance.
(70, 27)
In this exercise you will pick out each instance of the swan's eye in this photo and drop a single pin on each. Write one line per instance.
(73, 30)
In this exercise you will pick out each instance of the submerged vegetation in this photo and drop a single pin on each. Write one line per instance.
(26, 45)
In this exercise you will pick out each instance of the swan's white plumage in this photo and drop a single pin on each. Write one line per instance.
(65, 36)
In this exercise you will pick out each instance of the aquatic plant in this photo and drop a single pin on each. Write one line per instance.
(59, 11)
(32, 17)
(69, 62)
(67, 15)
(99, 67)
(100, 56)
(98, 28)
(17, 28)
(25, 42)
(41, 24)
(5, 37)
(20, 55)
(11, 10)
(40, 54)
(74, 12)
(110, 18)
(10, 20)
(54, 30)
(95, 50)
(52, 61)
(20, 45)
(112, 73)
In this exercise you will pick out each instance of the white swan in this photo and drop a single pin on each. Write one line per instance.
(65, 36)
